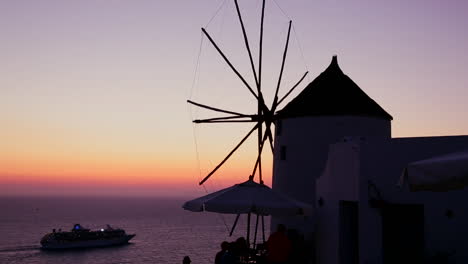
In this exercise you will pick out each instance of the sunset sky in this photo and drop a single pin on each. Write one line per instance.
(93, 92)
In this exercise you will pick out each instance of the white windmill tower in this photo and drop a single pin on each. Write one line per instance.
(330, 108)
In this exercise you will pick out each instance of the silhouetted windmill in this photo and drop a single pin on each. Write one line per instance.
(265, 115)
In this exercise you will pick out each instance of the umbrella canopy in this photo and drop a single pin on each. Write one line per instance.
(248, 197)
(440, 174)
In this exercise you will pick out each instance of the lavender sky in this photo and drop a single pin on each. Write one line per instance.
(93, 93)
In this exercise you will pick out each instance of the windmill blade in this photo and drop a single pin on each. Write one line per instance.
(270, 138)
(282, 66)
(226, 119)
(229, 63)
(217, 109)
(262, 108)
(260, 147)
(246, 40)
(260, 50)
(257, 162)
(229, 155)
(290, 91)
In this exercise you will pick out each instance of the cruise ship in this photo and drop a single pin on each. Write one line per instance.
(80, 237)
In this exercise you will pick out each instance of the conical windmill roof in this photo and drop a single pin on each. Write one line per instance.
(333, 93)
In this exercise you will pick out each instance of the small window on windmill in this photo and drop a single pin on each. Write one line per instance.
(279, 127)
(283, 153)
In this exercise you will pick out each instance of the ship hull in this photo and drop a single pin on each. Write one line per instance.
(57, 245)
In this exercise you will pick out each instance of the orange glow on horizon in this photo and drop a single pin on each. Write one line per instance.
(39, 155)
(112, 174)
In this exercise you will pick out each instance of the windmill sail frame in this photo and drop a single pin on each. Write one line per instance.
(265, 116)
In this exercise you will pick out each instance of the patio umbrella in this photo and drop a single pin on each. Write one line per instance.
(440, 174)
(248, 197)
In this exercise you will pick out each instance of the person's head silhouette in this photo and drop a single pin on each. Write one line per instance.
(281, 228)
(186, 260)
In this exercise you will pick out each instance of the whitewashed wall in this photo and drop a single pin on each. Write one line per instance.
(339, 181)
(382, 162)
(307, 140)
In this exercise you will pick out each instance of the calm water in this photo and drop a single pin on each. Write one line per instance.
(165, 233)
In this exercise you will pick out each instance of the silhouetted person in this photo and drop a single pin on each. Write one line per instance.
(241, 249)
(220, 254)
(278, 246)
(229, 257)
(297, 254)
(186, 260)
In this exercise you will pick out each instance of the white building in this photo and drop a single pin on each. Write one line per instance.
(336, 152)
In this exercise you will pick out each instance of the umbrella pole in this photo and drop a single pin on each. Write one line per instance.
(263, 229)
(248, 229)
(256, 229)
(234, 225)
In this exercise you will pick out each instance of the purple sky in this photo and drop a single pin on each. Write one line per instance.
(113, 75)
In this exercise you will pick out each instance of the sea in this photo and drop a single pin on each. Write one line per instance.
(165, 232)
